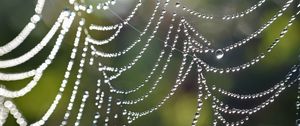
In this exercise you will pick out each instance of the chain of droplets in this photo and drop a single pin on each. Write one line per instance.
(27, 56)
(259, 94)
(298, 98)
(119, 91)
(216, 113)
(112, 89)
(160, 76)
(240, 42)
(81, 7)
(98, 101)
(187, 25)
(209, 68)
(39, 72)
(9, 107)
(118, 26)
(197, 47)
(105, 28)
(225, 108)
(116, 115)
(66, 78)
(224, 121)
(181, 76)
(117, 54)
(3, 112)
(26, 30)
(246, 111)
(35, 50)
(180, 71)
(126, 67)
(105, 41)
(221, 17)
(208, 95)
(207, 92)
(108, 109)
(90, 8)
(137, 58)
(96, 117)
(16, 76)
(82, 105)
(191, 41)
(124, 22)
(98, 93)
(199, 100)
(106, 4)
(77, 83)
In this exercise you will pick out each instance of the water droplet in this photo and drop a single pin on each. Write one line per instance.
(177, 4)
(113, 2)
(219, 54)
(105, 6)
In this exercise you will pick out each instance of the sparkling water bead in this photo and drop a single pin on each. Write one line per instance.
(177, 4)
(219, 54)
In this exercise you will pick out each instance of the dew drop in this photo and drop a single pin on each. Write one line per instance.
(105, 6)
(113, 2)
(177, 4)
(219, 54)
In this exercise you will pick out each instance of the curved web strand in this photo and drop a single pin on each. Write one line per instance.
(162, 53)
(39, 72)
(27, 56)
(119, 53)
(26, 30)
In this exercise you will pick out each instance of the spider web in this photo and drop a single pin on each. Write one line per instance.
(181, 50)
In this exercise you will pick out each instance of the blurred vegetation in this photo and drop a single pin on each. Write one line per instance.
(179, 110)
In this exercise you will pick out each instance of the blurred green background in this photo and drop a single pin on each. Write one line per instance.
(179, 110)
